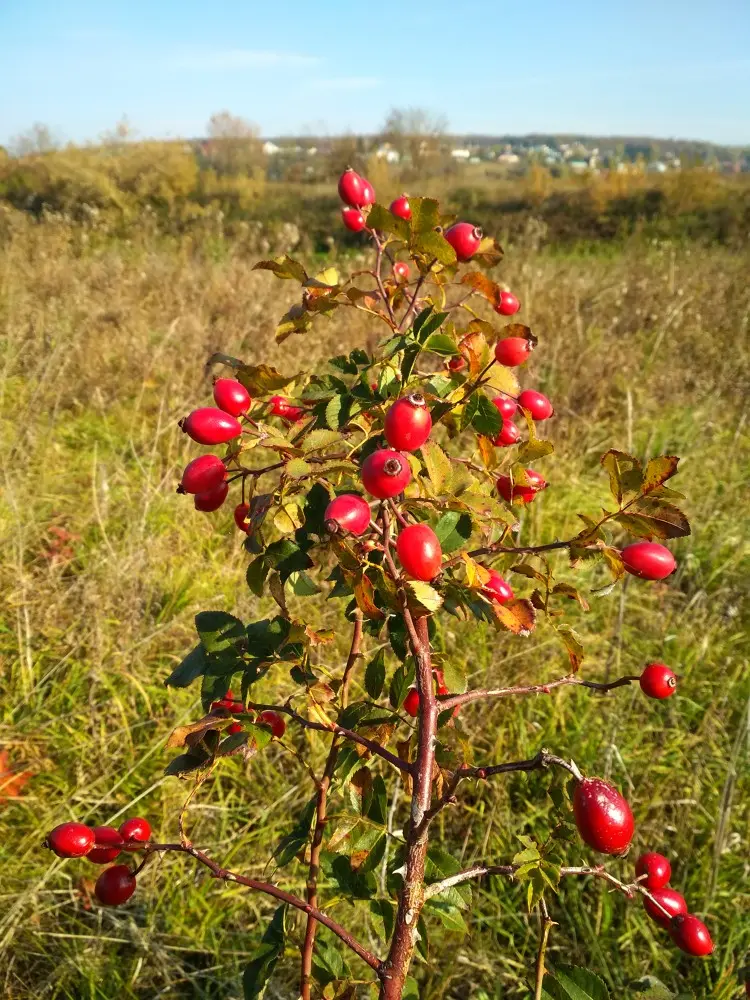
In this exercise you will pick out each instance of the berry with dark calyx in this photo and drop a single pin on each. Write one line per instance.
(386, 473)
(509, 434)
(411, 703)
(107, 845)
(240, 516)
(70, 840)
(136, 828)
(236, 727)
(401, 270)
(203, 474)
(368, 193)
(518, 492)
(691, 935)
(658, 681)
(353, 219)
(602, 815)
(497, 589)
(115, 885)
(513, 351)
(348, 513)
(465, 239)
(231, 396)
(352, 188)
(508, 304)
(209, 425)
(401, 208)
(672, 902)
(212, 500)
(408, 423)
(656, 869)
(274, 722)
(419, 551)
(279, 406)
(648, 560)
(537, 404)
(506, 406)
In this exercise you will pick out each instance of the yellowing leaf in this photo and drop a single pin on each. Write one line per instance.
(421, 596)
(658, 471)
(288, 519)
(573, 644)
(476, 574)
(517, 616)
(437, 464)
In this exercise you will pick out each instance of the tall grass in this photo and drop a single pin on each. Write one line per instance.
(645, 348)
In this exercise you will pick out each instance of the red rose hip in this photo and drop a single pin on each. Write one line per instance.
(401, 270)
(465, 239)
(658, 681)
(656, 869)
(279, 406)
(602, 815)
(672, 902)
(212, 500)
(274, 722)
(70, 840)
(241, 512)
(231, 396)
(506, 406)
(497, 589)
(353, 219)
(419, 551)
(411, 703)
(386, 473)
(509, 434)
(691, 935)
(352, 188)
(136, 828)
(508, 304)
(401, 208)
(203, 474)
(368, 193)
(648, 560)
(408, 423)
(513, 351)
(519, 492)
(348, 513)
(208, 425)
(537, 404)
(107, 845)
(115, 885)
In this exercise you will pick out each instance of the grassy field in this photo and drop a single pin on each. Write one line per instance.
(643, 347)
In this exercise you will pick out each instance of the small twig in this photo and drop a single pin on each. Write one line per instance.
(547, 926)
(411, 308)
(569, 680)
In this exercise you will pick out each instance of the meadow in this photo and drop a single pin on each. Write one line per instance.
(104, 339)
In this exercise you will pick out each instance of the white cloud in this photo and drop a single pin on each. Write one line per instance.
(233, 59)
(347, 83)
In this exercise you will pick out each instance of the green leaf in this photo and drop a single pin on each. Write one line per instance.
(319, 439)
(403, 678)
(574, 645)
(375, 675)
(218, 630)
(296, 468)
(384, 914)
(453, 530)
(425, 214)
(186, 762)
(290, 845)
(381, 219)
(442, 344)
(410, 990)
(328, 962)
(397, 636)
(260, 380)
(256, 574)
(483, 415)
(572, 983)
(194, 664)
(283, 267)
(260, 968)
(377, 810)
(303, 585)
(454, 671)
(449, 915)
(430, 326)
(649, 517)
(625, 474)
(437, 464)
(434, 246)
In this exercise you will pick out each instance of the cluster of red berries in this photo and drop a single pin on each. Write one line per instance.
(206, 476)
(235, 707)
(100, 845)
(687, 931)
(357, 193)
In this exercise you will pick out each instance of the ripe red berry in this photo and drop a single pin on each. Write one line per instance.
(107, 845)
(385, 473)
(602, 815)
(537, 404)
(497, 589)
(208, 425)
(464, 238)
(411, 703)
(275, 723)
(368, 193)
(353, 219)
(508, 304)
(648, 560)
(457, 363)
(408, 422)
(213, 499)
(401, 208)
(506, 406)
(658, 681)
(348, 513)
(136, 828)
(240, 516)
(519, 493)
(203, 474)
(351, 188)
(509, 434)
(656, 868)
(279, 406)
(115, 885)
(419, 551)
(235, 727)
(401, 270)
(231, 396)
(691, 935)
(671, 900)
(70, 840)
(513, 351)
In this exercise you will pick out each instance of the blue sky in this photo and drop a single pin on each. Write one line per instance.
(648, 67)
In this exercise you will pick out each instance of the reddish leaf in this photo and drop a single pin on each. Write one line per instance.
(12, 782)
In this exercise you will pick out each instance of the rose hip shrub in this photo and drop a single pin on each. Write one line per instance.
(395, 483)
